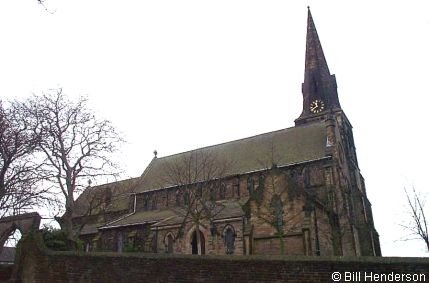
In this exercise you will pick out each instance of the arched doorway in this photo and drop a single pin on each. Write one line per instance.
(24, 223)
(194, 243)
(7, 253)
(13, 239)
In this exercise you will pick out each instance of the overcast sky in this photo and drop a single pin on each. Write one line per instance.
(178, 75)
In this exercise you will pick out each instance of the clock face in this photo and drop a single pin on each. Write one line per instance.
(317, 106)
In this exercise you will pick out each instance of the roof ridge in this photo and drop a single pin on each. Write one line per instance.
(115, 182)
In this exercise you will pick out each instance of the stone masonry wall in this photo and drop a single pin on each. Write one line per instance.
(36, 264)
(5, 272)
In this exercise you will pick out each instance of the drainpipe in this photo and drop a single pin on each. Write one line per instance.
(316, 231)
(156, 240)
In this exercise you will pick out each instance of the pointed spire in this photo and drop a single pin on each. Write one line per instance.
(318, 84)
(314, 56)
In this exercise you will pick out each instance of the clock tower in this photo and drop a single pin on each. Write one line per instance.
(319, 89)
(353, 226)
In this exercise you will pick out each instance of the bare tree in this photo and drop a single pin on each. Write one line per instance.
(417, 224)
(279, 190)
(275, 188)
(18, 165)
(77, 147)
(99, 200)
(197, 176)
(20, 189)
(42, 3)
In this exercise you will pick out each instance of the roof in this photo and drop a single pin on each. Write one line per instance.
(224, 209)
(283, 147)
(287, 146)
(89, 229)
(7, 255)
(231, 209)
(176, 215)
(94, 198)
(142, 217)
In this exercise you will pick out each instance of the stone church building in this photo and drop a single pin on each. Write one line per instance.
(295, 191)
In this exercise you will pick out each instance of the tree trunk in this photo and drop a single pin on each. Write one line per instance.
(282, 244)
(67, 226)
(198, 239)
(427, 242)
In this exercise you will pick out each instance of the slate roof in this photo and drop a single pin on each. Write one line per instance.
(89, 229)
(231, 209)
(120, 191)
(291, 145)
(172, 216)
(288, 146)
(142, 217)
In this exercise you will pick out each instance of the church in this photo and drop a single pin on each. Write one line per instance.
(295, 191)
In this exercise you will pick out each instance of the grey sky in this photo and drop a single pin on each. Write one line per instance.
(177, 75)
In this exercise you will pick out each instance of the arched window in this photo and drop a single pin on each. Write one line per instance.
(261, 182)
(250, 185)
(145, 203)
(108, 196)
(229, 240)
(120, 242)
(236, 187)
(96, 242)
(194, 243)
(199, 192)
(186, 198)
(222, 191)
(177, 197)
(166, 197)
(169, 243)
(87, 246)
(277, 206)
(154, 204)
(212, 195)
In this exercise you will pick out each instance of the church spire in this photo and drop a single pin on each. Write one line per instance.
(319, 88)
(315, 61)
